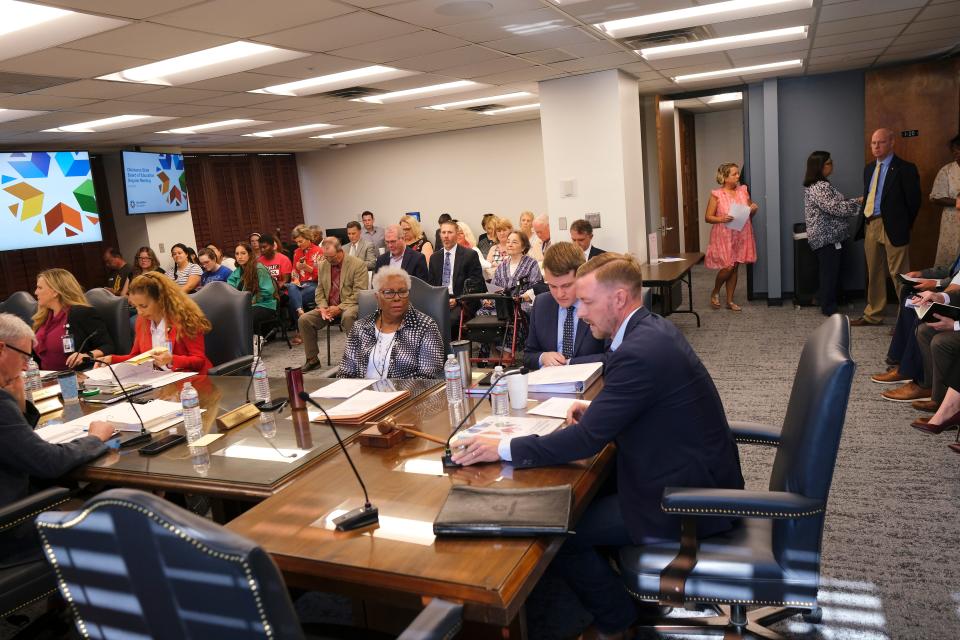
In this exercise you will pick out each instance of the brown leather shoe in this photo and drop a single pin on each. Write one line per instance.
(592, 633)
(863, 322)
(891, 376)
(955, 447)
(907, 393)
(930, 406)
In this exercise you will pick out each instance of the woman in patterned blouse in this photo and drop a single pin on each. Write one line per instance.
(396, 341)
(498, 252)
(828, 215)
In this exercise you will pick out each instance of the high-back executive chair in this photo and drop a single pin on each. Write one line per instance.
(115, 313)
(229, 345)
(433, 301)
(140, 566)
(21, 304)
(772, 557)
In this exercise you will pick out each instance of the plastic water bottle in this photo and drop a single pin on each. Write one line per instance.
(455, 399)
(200, 459)
(32, 380)
(192, 423)
(268, 425)
(501, 406)
(261, 386)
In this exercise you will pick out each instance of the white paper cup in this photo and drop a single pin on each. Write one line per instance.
(517, 390)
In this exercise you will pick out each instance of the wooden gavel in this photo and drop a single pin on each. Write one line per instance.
(390, 423)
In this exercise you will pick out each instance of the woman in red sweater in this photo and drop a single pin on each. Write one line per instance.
(167, 319)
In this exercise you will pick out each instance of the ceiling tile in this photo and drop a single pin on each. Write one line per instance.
(148, 41)
(318, 64)
(928, 36)
(865, 22)
(541, 20)
(857, 36)
(436, 13)
(780, 51)
(546, 56)
(553, 40)
(244, 81)
(603, 10)
(701, 59)
(589, 49)
(70, 63)
(249, 18)
(42, 103)
(445, 59)
(610, 60)
(869, 45)
(764, 23)
(522, 75)
(94, 89)
(859, 8)
(948, 22)
(236, 100)
(940, 11)
(405, 46)
(488, 67)
(336, 33)
(924, 48)
(136, 9)
(174, 95)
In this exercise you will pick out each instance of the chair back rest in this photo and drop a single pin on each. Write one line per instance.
(231, 314)
(366, 303)
(435, 302)
(115, 313)
(21, 304)
(142, 567)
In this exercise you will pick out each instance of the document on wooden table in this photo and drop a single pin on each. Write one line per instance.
(342, 388)
(359, 405)
(572, 378)
(555, 407)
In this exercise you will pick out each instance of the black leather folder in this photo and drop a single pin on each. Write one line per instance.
(477, 511)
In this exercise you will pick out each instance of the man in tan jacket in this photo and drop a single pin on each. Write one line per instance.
(339, 279)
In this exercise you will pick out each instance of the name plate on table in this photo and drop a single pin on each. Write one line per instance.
(237, 416)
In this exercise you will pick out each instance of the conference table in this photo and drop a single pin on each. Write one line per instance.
(664, 274)
(391, 568)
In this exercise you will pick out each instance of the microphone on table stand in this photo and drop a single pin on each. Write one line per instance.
(361, 516)
(144, 435)
(447, 454)
(81, 366)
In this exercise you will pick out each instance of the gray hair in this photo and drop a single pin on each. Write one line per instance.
(395, 228)
(14, 328)
(387, 272)
(544, 218)
(332, 240)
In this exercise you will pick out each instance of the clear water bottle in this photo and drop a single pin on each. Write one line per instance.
(501, 406)
(261, 385)
(200, 459)
(192, 422)
(31, 381)
(268, 425)
(455, 399)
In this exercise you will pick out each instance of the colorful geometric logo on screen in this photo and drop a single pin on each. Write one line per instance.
(167, 163)
(72, 207)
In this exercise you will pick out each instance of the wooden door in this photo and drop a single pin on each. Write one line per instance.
(669, 224)
(688, 182)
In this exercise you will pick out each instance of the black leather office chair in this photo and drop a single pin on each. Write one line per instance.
(772, 558)
(433, 301)
(137, 564)
(21, 304)
(230, 344)
(115, 313)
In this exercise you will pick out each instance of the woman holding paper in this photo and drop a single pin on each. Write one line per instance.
(170, 326)
(731, 239)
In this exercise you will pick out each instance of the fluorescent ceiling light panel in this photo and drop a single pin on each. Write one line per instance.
(419, 92)
(201, 128)
(699, 15)
(463, 104)
(21, 15)
(334, 81)
(28, 27)
(208, 63)
(354, 132)
(725, 97)
(740, 71)
(289, 131)
(724, 44)
(107, 124)
(6, 115)
(522, 107)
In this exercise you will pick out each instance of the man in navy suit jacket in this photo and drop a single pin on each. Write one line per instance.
(662, 410)
(581, 234)
(411, 261)
(466, 267)
(549, 316)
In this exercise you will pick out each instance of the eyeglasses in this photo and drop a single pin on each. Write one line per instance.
(390, 294)
(23, 354)
(144, 258)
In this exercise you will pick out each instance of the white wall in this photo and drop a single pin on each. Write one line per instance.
(464, 173)
(719, 137)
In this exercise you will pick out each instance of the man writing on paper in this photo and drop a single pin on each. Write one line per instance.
(661, 408)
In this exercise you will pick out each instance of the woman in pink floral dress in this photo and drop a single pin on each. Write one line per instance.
(728, 248)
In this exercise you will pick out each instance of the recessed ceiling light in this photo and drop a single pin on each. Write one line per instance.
(353, 132)
(106, 124)
(696, 16)
(6, 115)
(724, 44)
(223, 124)
(21, 15)
(208, 63)
(27, 27)
(475, 101)
(288, 131)
(522, 107)
(740, 71)
(418, 92)
(736, 96)
(333, 81)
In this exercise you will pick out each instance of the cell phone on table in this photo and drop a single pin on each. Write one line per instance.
(274, 405)
(162, 444)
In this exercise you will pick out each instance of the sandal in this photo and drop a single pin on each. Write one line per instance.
(715, 301)
(734, 306)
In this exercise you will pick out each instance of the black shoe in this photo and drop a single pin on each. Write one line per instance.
(310, 365)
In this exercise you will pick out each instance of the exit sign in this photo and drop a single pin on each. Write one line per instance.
(912, 133)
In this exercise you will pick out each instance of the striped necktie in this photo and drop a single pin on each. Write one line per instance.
(568, 333)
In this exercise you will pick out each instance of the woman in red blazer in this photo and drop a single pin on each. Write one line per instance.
(167, 318)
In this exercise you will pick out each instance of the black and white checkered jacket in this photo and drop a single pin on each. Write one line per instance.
(417, 350)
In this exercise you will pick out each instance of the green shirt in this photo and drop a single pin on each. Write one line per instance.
(264, 297)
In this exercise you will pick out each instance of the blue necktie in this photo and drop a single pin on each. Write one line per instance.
(445, 278)
(955, 267)
(568, 334)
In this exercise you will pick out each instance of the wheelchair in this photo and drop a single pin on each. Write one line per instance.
(508, 324)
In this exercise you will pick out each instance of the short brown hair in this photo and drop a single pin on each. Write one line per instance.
(582, 226)
(503, 224)
(353, 224)
(524, 240)
(561, 258)
(615, 268)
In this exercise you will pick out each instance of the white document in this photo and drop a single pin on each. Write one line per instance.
(258, 450)
(672, 259)
(572, 378)
(510, 427)
(60, 433)
(555, 407)
(360, 404)
(740, 213)
(131, 374)
(912, 279)
(342, 388)
(157, 415)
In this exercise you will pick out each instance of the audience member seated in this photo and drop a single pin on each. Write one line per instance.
(317, 232)
(254, 241)
(436, 234)
(398, 254)
(488, 238)
(24, 455)
(661, 408)
(498, 252)
(303, 280)
(396, 341)
(456, 268)
(557, 336)
(169, 324)
(372, 233)
(581, 233)
(185, 274)
(526, 227)
(118, 272)
(226, 261)
(360, 248)
(276, 263)
(541, 227)
(414, 236)
(516, 275)
(63, 309)
(947, 416)
(252, 276)
(147, 260)
(213, 271)
(466, 239)
(340, 279)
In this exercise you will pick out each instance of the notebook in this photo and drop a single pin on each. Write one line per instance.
(479, 511)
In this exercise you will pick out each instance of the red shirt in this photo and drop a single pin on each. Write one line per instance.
(50, 342)
(334, 298)
(310, 257)
(188, 353)
(278, 267)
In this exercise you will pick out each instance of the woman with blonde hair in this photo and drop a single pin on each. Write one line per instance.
(498, 252)
(414, 237)
(65, 322)
(466, 240)
(170, 325)
(728, 248)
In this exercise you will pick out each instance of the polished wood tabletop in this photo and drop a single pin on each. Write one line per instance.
(401, 556)
(667, 272)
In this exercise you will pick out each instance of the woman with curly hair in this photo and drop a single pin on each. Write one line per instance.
(170, 325)
(250, 275)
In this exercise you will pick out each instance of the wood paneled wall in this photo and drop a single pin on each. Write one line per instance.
(232, 196)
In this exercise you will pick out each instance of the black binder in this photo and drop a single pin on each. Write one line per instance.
(475, 511)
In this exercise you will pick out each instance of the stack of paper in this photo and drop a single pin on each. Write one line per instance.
(362, 404)
(342, 388)
(157, 415)
(555, 407)
(131, 374)
(574, 378)
(510, 427)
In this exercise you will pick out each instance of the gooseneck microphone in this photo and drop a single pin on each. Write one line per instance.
(144, 435)
(447, 454)
(361, 516)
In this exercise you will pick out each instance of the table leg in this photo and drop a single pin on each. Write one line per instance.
(689, 280)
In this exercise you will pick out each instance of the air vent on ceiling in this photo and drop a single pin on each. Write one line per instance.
(351, 93)
(480, 108)
(23, 83)
(673, 36)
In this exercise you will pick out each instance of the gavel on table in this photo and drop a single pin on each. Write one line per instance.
(390, 423)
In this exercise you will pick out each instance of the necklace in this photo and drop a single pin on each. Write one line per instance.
(385, 353)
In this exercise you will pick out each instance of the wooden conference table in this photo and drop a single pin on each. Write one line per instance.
(663, 274)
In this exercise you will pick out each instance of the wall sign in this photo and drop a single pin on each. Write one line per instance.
(912, 133)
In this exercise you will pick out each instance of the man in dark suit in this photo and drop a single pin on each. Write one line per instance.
(400, 255)
(659, 406)
(891, 200)
(581, 233)
(557, 336)
(452, 266)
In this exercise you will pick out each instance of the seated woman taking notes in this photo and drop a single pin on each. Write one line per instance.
(396, 341)
(169, 323)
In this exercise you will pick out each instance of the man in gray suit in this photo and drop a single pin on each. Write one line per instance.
(360, 248)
